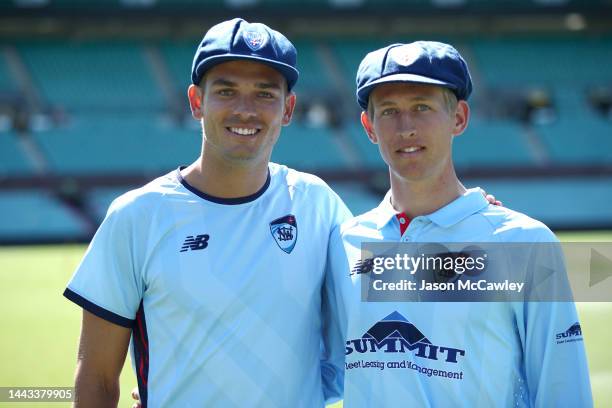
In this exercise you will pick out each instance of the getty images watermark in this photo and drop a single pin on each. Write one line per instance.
(484, 272)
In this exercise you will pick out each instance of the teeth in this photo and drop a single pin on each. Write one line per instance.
(411, 149)
(243, 131)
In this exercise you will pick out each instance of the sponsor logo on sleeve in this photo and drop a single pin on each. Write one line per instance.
(574, 333)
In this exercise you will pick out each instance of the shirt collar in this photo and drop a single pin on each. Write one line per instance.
(467, 204)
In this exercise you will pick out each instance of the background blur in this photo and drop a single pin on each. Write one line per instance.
(93, 103)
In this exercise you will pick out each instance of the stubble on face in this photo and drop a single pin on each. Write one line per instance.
(244, 106)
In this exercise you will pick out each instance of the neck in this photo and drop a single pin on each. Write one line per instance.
(421, 197)
(225, 180)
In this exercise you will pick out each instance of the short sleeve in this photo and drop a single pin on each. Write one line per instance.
(108, 283)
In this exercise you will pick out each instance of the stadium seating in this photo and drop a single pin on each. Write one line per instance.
(120, 123)
(27, 215)
(555, 62)
(571, 202)
(308, 149)
(356, 197)
(118, 144)
(6, 80)
(99, 199)
(13, 160)
(369, 155)
(492, 143)
(178, 57)
(93, 75)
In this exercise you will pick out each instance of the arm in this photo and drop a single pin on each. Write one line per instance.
(102, 350)
(332, 365)
(556, 366)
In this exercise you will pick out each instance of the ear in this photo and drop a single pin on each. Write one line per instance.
(462, 117)
(289, 107)
(195, 95)
(367, 126)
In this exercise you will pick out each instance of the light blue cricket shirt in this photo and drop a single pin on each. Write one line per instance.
(223, 295)
(464, 354)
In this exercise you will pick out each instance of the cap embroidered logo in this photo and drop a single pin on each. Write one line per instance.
(405, 55)
(255, 38)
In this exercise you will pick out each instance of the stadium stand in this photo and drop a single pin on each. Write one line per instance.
(565, 203)
(6, 81)
(119, 144)
(92, 75)
(356, 196)
(115, 111)
(369, 156)
(28, 215)
(498, 143)
(13, 160)
(99, 199)
(307, 149)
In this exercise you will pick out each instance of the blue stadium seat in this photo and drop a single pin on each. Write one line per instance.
(307, 149)
(32, 215)
(93, 75)
(571, 202)
(6, 80)
(178, 57)
(103, 144)
(578, 140)
(13, 160)
(554, 61)
(492, 143)
(357, 198)
(99, 199)
(369, 155)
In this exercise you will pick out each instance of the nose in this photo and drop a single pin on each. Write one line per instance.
(244, 107)
(407, 126)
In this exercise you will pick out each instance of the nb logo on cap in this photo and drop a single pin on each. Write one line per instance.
(255, 38)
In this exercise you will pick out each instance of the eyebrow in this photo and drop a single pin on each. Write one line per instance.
(387, 102)
(259, 85)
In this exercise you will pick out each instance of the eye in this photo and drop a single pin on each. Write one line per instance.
(265, 94)
(388, 111)
(225, 92)
(421, 107)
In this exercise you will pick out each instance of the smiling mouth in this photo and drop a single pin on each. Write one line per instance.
(243, 131)
(411, 149)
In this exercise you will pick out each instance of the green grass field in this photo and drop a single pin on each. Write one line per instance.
(40, 328)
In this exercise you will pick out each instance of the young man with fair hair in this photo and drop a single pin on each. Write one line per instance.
(438, 354)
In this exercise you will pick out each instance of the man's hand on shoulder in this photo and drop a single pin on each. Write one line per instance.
(491, 199)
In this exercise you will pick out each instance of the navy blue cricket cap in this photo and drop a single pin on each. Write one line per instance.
(238, 39)
(420, 62)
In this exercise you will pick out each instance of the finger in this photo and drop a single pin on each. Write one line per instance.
(135, 394)
(490, 198)
(498, 203)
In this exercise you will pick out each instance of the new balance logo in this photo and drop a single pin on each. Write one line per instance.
(363, 266)
(195, 243)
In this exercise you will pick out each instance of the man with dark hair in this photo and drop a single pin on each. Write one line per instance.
(215, 269)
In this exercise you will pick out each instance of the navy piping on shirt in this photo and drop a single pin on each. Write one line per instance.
(220, 200)
(97, 310)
